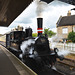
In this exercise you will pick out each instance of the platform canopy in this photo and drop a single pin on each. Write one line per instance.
(10, 9)
(66, 1)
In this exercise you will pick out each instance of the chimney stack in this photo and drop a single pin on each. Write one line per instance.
(69, 13)
(39, 26)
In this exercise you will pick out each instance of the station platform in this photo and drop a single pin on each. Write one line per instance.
(10, 65)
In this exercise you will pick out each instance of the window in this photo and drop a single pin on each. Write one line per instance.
(64, 30)
(74, 29)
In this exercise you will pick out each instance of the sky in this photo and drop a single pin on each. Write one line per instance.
(51, 13)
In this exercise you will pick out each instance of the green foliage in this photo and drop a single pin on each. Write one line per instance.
(68, 41)
(0, 34)
(34, 34)
(49, 32)
(46, 31)
(71, 36)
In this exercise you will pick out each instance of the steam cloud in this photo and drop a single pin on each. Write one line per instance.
(63, 52)
(26, 46)
(53, 45)
(40, 7)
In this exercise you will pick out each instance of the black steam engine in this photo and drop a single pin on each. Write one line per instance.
(35, 52)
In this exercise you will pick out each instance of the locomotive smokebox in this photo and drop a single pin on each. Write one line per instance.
(39, 26)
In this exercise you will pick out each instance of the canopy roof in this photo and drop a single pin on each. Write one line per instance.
(10, 9)
(66, 1)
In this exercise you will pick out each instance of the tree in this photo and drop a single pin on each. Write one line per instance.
(34, 34)
(71, 36)
(48, 32)
(0, 34)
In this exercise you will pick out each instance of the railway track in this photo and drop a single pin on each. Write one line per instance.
(69, 62)
(67, 66)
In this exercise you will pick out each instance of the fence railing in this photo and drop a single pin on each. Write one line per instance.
(63, 46)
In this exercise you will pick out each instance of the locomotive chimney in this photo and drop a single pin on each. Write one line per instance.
(39, 26)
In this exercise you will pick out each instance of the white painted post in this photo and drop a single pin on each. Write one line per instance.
(63, 46)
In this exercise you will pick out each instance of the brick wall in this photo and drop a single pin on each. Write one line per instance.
(59, 30)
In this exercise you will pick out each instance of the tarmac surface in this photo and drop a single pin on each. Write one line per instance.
(6, 66)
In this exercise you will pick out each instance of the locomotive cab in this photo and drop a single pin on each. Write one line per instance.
(13, 41)
(17, 36)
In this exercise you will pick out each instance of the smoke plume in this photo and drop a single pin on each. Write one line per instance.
(40, 7)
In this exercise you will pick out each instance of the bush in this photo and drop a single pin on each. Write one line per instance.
(68, 41)
(71, 36)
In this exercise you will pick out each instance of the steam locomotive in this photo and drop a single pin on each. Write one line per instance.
(34, 52)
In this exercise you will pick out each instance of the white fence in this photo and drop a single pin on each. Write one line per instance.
(64, 46)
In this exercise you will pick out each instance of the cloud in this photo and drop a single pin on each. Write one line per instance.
(4, 30)
(54, 10)
(27, 15)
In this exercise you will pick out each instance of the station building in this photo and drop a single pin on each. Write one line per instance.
(65, 24)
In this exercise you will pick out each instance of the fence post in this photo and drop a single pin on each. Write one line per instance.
(71, 46)
(63, 46)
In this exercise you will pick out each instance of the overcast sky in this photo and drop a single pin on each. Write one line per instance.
(51, 14)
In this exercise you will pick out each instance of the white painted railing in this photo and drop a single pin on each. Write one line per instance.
(64, 46)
